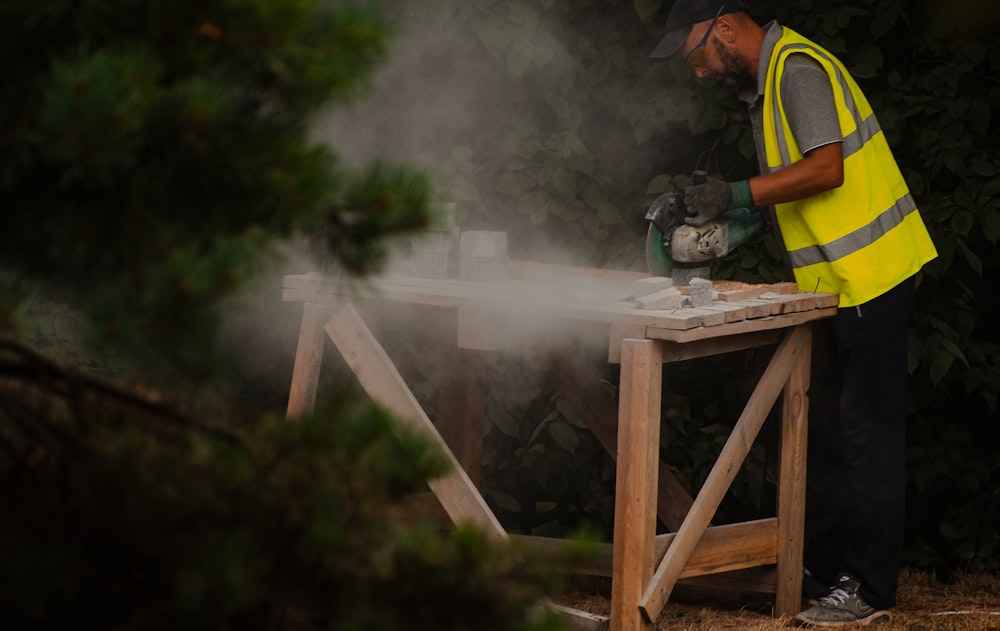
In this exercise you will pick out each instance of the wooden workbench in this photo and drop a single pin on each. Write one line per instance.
(644, 567)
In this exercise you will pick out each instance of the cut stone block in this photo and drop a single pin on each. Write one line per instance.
(483, 244)
(482, 255)
(651, 285)
(670, 298)
(431, 255)
(443, 216)
(702, 293)
(484, 269)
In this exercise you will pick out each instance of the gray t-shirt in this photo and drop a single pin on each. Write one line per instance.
(806, 95)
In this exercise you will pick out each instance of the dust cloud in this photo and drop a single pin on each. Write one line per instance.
(428, 106)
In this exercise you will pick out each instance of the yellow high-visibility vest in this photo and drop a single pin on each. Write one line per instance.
(865, 237)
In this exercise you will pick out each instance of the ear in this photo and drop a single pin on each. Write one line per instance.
(726, 28)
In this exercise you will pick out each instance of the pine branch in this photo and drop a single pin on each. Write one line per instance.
(21, 364)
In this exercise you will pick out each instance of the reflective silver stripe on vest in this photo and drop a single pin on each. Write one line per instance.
(864, 130)
(857, 240)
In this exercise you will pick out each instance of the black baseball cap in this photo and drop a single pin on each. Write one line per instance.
(684, 15)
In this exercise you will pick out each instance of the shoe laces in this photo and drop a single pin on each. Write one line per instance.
(835, 598)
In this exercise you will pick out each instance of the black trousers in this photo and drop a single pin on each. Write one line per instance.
(856, 485)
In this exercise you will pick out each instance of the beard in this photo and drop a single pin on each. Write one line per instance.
(735, 73)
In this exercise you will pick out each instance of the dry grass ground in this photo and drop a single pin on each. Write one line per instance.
(970, 603)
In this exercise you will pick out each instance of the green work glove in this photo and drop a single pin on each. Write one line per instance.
(707, 201)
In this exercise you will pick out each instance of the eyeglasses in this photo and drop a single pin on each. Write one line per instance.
(704, 39)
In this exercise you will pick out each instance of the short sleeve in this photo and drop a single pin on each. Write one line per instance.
(807, 97)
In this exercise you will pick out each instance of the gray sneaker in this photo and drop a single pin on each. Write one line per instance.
(842, 606)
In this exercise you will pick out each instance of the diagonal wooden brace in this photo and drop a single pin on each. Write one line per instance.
(383, 383)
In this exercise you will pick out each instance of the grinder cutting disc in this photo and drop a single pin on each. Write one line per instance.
(658, 260)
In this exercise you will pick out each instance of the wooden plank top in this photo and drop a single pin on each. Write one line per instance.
(584, 298)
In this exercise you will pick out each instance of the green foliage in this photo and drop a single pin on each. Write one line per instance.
(544, 472)
(124, 516)
(155, 152)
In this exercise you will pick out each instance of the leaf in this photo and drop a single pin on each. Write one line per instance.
(882, 21)
(568, 413)
(512, 183)
(530, 202)
(747, 146)
(953, 348)
(963, 221)
(958, 107)
(869, 55)
(985, 168)
(731, 134)
(954, 162)
(505, 422)
(505, 501)
(539, 428)
(568, 112)
(564, 182)
(971, 258)
(940, 366)
(566, 211)
(564, 435)
(992, 188)
(975, 52)
(864, 71)
(843, 15)
(943, 327)
(660, 184)
(991, 225)
(609, 214)
(598, 72)
(748, 260)
(643, 131)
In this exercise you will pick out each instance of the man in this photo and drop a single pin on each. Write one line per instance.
(849, 226)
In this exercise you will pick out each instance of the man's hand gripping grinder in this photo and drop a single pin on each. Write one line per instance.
(671, 241)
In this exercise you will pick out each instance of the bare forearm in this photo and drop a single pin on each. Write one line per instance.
(821, 170)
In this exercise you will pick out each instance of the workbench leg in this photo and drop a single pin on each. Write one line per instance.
(635, 492)
(792, 481)
(723, 472)
(461, 408)
(308, 359)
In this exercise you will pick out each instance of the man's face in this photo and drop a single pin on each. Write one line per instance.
(710, 58)
(734, 68)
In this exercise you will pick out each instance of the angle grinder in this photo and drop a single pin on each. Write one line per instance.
(670, 241)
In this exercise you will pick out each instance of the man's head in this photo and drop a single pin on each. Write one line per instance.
(707, 34)
(684, 15)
